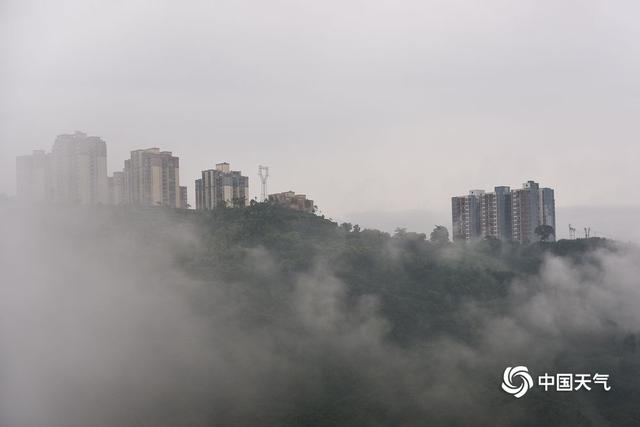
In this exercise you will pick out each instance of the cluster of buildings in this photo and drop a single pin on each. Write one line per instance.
(505, 214)
(75, 172)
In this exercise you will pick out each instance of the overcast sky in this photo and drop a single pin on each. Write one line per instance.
(363, 105)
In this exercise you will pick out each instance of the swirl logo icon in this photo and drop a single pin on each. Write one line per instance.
(517, 374)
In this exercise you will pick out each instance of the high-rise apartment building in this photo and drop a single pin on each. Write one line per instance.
(74, 172)
(495, 214)
(199, 195)
(152, 178)
(466, 215)
(532, 206)
(117, 189)
(221, 187)
(184, 199)
(79, 169)
(33, 177)
(525, 205)
(548, 207)
(504, 214)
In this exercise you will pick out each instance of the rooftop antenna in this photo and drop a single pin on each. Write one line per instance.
(572, 232)
(263, 173)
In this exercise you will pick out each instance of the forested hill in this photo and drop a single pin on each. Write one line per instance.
(298, 241)
(292, 319)
(421, 280)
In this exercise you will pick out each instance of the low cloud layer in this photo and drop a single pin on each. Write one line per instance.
(103, 324)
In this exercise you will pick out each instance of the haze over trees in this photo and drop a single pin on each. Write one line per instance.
(268, 316)
(544, 232)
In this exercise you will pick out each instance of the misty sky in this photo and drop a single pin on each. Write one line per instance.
(363, 105)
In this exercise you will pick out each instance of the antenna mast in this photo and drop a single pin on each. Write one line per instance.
(263, 173)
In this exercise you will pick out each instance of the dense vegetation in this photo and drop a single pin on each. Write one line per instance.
(423, 286)
(435, 308)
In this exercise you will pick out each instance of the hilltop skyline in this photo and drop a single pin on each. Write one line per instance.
(372, 108)
(612, 222)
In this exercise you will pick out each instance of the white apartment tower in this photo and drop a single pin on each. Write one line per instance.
(74, 172)
(33, 177)
(151, 178)
(79, 169)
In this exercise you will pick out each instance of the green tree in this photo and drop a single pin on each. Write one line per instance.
(400, 232)
(439, 235)
(544, 231)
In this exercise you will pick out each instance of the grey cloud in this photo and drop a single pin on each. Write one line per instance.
(411, 93)
(113, 332)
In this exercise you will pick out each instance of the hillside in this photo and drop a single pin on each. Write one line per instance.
(269, 316)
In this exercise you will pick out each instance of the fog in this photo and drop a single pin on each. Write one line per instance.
(102, 324)
(365, 106)
(379, 111)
